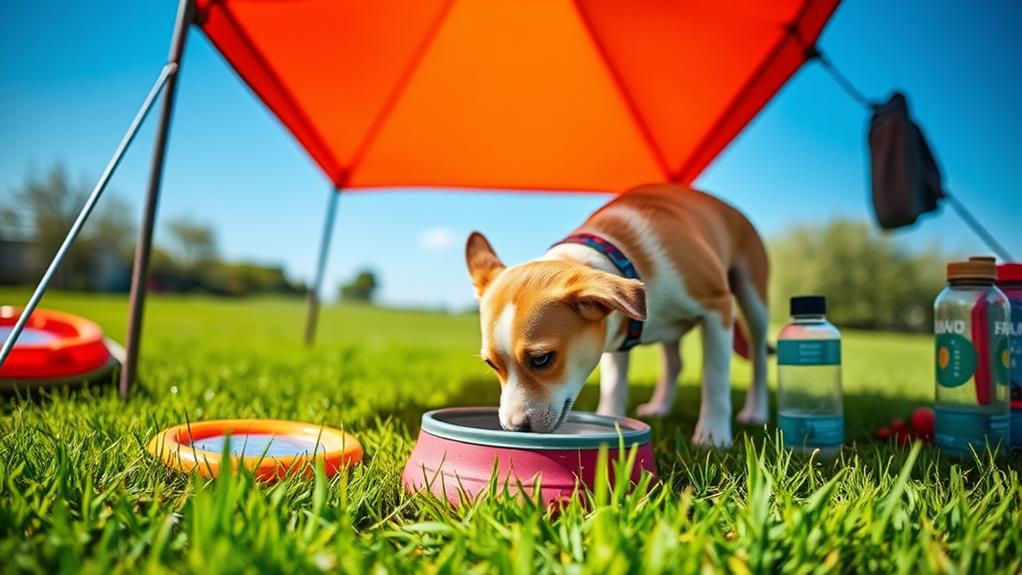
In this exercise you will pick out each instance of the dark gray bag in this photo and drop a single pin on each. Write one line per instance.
(906, 179)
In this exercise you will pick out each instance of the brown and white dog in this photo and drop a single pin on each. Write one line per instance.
(547, 323)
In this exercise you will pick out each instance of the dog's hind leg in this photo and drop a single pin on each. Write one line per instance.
(663, 396)
(748, 281)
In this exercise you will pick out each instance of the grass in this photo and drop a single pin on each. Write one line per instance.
(78, 493)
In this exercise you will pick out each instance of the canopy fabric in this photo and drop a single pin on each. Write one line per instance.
(570, 95)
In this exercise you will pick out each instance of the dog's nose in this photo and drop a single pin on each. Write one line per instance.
(522, 424)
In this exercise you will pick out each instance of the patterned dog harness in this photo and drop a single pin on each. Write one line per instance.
(623, 265)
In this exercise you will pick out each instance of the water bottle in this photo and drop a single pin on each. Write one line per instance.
(810, 410)
(972, 355)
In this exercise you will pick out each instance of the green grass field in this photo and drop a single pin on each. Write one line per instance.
(78, 493)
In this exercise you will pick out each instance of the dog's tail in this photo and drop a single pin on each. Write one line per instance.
(740, 343)
(748, 282)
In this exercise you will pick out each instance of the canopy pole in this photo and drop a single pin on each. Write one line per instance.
(324, 248)
(164, 78)
(143, 247)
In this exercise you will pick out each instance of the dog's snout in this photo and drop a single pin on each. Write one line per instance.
(522, 424)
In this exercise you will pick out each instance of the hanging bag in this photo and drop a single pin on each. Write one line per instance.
(906, 179)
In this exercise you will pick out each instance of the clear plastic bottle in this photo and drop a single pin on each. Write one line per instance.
(810, 408)
(972, 355)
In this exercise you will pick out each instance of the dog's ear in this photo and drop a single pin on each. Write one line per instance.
(483, 263)
(598, 293)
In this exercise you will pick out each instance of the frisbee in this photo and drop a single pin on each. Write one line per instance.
(269, 448)
(459, 448)
(55, 348)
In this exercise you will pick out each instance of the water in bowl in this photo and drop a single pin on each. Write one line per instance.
(258, 444)
(490, 421)
(29, 336)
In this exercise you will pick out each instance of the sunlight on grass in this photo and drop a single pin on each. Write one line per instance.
(79, 493)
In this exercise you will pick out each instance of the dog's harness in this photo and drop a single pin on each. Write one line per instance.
(623, 265)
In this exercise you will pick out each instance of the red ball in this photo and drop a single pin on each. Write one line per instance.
(882, 433)
(922, 421)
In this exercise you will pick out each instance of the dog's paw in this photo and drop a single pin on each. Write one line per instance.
(717, 434)
(654, 409)
(610, 410)
(750, 415)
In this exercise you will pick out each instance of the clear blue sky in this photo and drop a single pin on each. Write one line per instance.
(72, 74)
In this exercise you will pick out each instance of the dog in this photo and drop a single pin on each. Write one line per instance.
(645, 268)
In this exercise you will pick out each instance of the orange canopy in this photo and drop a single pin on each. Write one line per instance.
(518, 94)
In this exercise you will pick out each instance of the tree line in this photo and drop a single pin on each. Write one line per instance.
(41, 211)
(871, 282)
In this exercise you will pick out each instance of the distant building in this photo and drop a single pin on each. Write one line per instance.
(22, 264)
(17, 261)
(109, 272)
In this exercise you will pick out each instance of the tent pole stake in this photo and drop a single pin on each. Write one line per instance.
(140, 269)
(324, 248)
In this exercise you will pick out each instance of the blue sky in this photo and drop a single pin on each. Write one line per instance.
(73, 73)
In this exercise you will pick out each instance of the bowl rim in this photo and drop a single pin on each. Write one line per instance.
(175, 447)
(632, 431)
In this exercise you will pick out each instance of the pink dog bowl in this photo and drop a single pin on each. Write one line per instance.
(458, 449)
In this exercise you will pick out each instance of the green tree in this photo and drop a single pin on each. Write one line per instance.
(869, 280)
(50, 203)
(194, 243)
(9, 222)
(361, 289)
(112, 226)
(239, 279)
(46, 206)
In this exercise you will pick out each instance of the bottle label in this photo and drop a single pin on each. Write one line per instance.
(1002, 360)
(1015, 354)
(956, 359)
(960, 432)
(811, 430)
(809, 352)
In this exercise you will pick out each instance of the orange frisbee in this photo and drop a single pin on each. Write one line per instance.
(269, 448)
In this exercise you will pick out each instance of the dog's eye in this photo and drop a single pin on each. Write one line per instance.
(541, 360)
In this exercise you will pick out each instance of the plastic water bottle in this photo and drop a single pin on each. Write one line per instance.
(972, 355)
(1009, 280)
(810, 409)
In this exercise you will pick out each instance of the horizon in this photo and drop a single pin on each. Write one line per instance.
(69, 88)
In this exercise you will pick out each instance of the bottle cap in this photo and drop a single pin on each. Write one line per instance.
(977, 268)
(808, 305)
(1009, 273)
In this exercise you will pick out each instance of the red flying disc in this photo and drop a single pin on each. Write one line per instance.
(54, 345)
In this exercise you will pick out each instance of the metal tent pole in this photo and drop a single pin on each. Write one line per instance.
(317, 284)
(140, 269)
(977, 228)
(165, 77)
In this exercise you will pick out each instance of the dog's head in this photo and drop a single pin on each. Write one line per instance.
(544, 327)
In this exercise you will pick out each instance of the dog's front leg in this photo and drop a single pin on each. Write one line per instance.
(613, 383)
(714, 426)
